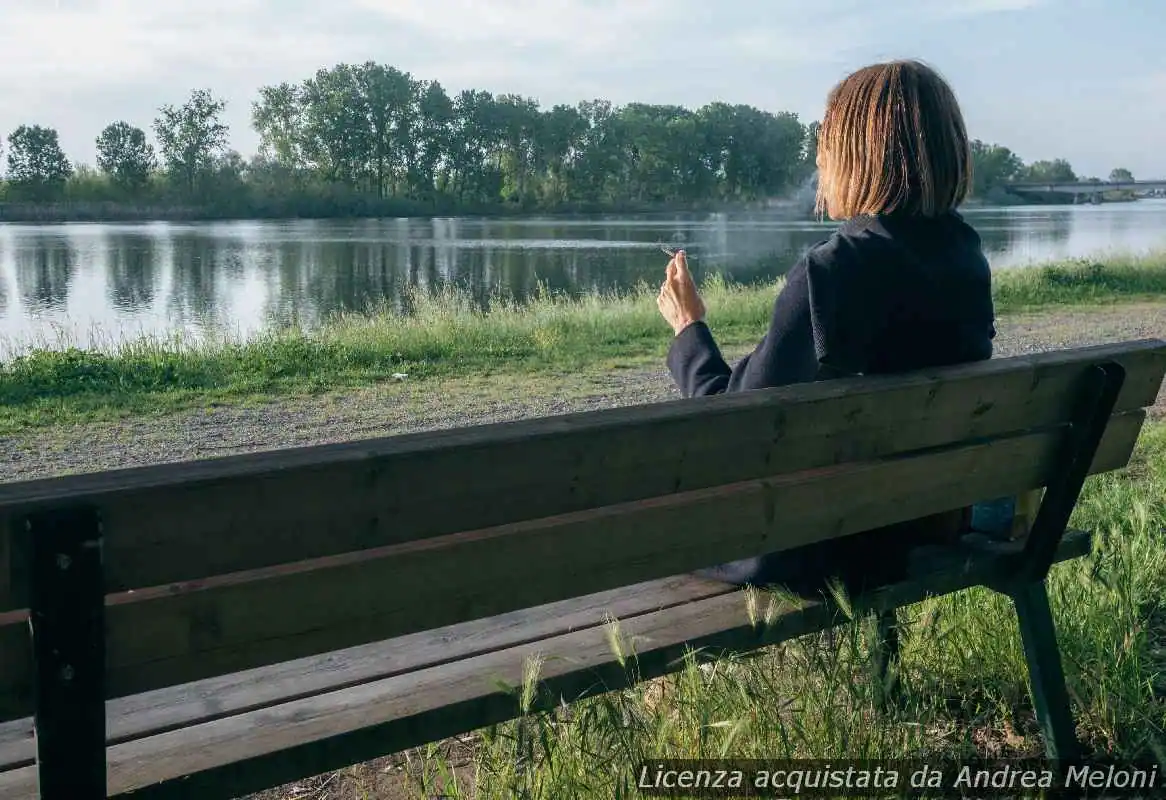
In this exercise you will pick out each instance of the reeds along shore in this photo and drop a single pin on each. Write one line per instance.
(448, 336)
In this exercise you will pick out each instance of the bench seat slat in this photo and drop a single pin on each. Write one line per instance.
(263, 509)
(163, 709)
(240, 622)
(265, 747)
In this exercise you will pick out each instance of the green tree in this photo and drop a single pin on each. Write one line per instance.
(992, 166)
(561, 142)
(1121, 175)
(278, 117)
(810, 149)
(521, 153)
(1056, 171)
(37, 167)
(360, 139)
(435, 114)
(601, 171)
(89, 185)
(334, 133)
(386, 99)
(475, 152)
(226, 182)
(125, 156)
(771, 150)
(190, 137)
(379, 133)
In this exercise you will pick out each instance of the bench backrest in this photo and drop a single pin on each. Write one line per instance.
(220, 565)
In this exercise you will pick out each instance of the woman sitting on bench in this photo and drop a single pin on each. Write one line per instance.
(903, 284)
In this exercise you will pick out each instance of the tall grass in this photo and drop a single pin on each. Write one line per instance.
(1098, 281)
(963, 677)
(447, 335)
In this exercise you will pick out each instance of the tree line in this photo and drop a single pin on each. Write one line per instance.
(367, 138)
(995, 166)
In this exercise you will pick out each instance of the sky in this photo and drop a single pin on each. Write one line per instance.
(1083, 80)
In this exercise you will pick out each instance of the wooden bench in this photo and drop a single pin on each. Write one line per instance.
(213, 628)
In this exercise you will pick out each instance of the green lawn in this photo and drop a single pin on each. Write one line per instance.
(446, 337)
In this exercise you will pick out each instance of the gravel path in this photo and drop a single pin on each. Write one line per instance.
(403, 407)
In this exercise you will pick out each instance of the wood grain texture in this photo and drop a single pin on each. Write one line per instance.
(165, 709)
(186, 522)
(246, 752)
(250, 620)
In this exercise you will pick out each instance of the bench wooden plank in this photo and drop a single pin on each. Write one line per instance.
(19, 784)
(267, 508)
(17, 745)
(164, 709)
(249, 620)
(393, 714)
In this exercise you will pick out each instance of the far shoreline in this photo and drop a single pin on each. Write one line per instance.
(118, 213)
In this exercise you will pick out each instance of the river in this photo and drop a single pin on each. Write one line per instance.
(96, 284)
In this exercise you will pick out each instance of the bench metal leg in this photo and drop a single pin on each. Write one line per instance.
(1027, 585)
(1049, 695)
(885, 659)
(1090, 419)
(67, 604)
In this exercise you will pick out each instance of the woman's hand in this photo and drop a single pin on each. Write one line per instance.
(679, 301)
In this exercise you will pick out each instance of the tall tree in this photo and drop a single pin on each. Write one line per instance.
(810, 148)
(386, 99)
(474, 147)
(1121, 175)
(278, 117)
(602, 170)
(519, 125)
(1056, 171)
(124, 154)
(993, 165)
(434, 120)
(561, 143)
(377, 130)
(334, 127)
(190, 137)
(37, 167)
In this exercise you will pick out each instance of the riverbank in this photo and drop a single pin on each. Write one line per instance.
(325, 208)
(446, 338)
(345, 208)
(80, 443)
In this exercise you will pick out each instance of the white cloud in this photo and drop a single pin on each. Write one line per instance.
(578, 27)
(106, 42)
(89, 62)
(991, 6)
(1152, 85)
(79, 45)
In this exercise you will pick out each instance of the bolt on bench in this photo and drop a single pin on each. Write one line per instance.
(213, 628)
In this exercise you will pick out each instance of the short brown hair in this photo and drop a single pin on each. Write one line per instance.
(892, 141)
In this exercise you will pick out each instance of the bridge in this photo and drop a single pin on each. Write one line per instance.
(1089, 188)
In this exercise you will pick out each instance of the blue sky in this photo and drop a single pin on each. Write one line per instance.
(1079, 79)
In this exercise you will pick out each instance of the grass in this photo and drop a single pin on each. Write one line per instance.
(447, 336)
(964, 680)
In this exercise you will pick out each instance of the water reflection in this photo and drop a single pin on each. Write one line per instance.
(132, 272)
(44, 269)
(195, 265)
(239, 277)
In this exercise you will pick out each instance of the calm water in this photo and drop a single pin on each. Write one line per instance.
(92, 284)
